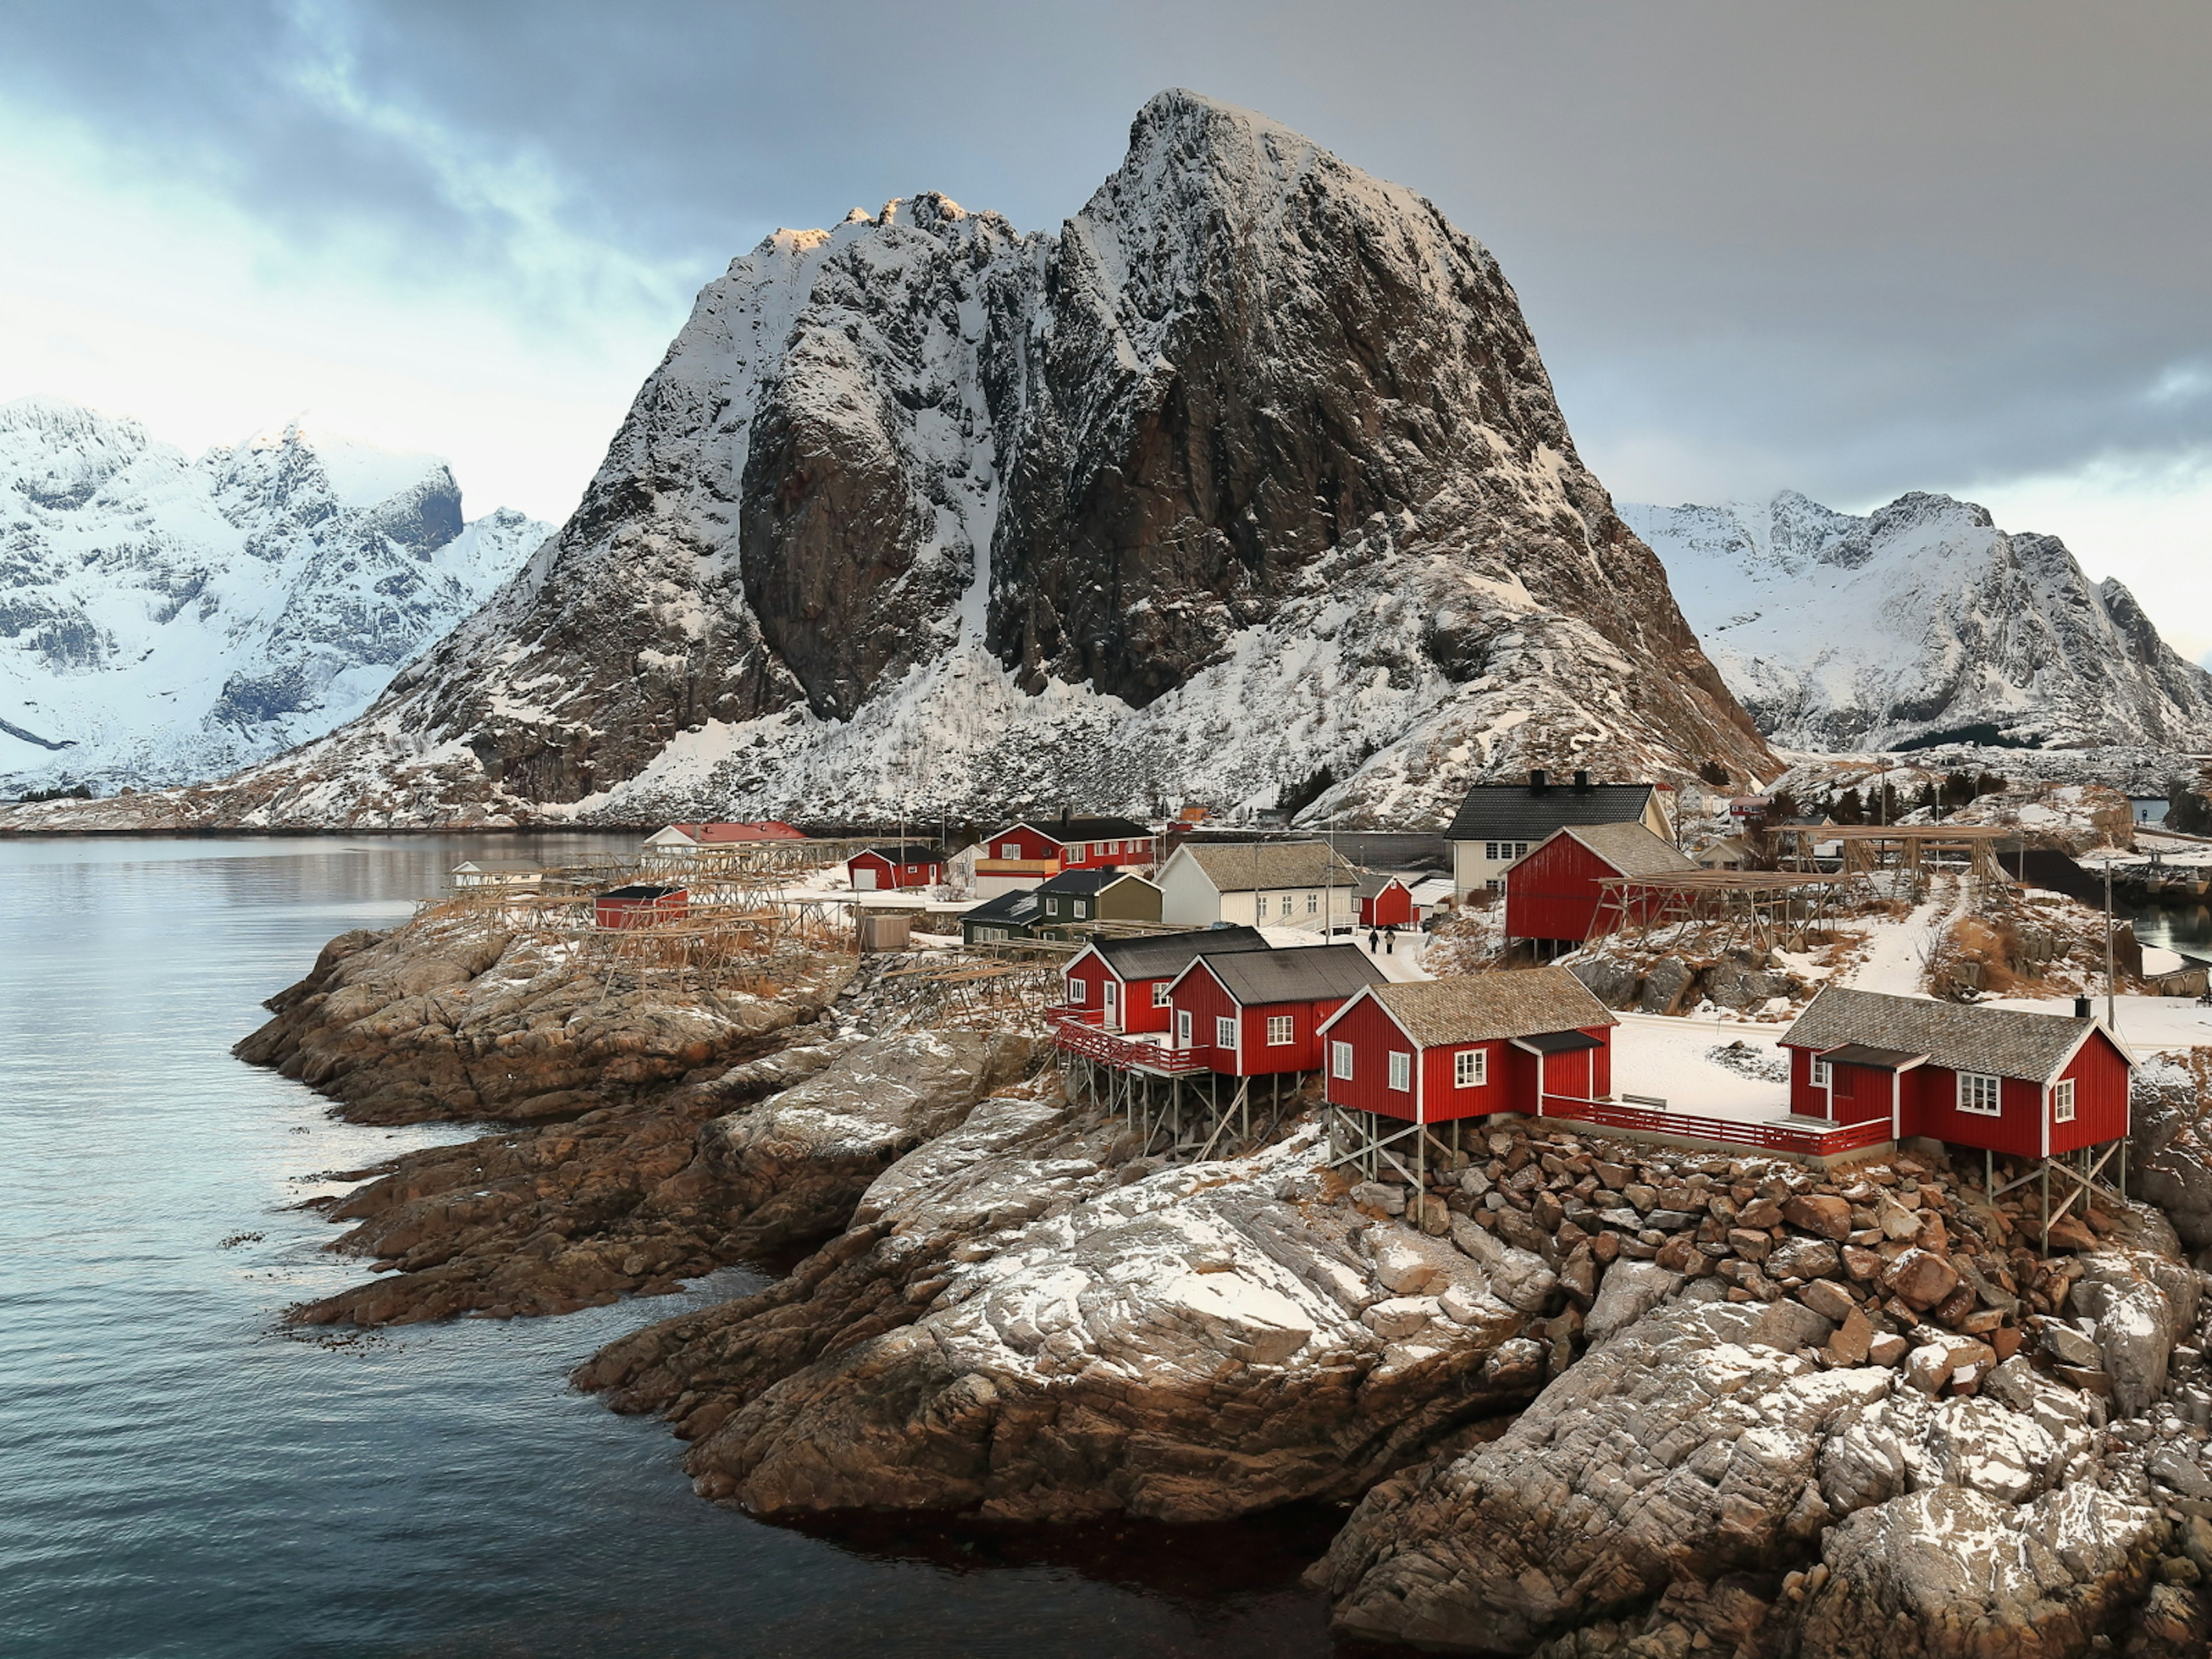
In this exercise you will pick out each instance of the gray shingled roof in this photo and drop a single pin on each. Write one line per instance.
(1507, 811)
(1630, 848)
(1305, 974)
(1480, 1007)
(1266, 865)
(1163, 956)
(1019, 907)
(2005, 1042)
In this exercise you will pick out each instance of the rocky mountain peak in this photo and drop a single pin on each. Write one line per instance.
(925, 512)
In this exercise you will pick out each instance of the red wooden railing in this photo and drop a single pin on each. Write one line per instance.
(1772, 1137)
(1075, 1031)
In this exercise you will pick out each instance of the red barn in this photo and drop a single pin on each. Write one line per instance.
(2024, 1085)
(1385, 902)
(1257, 1013)
(1553, 894)
(1436, 1050)
(1122, 983)
(640, 904)
(882, 869)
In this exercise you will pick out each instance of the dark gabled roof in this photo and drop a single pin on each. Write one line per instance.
(641, 890)
(2003, 1041)
(1083, 884)
(1303, 974)
(913, 852)
(1372, 881)
(1879, 1060)
(1483, 1007)
(1163, 956)
(1063, 831)
(1019, 907)
(1507, 811)
(1558, 1042)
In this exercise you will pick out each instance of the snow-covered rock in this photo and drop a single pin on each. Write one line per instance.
(1921, 621)
(923, 511)
(164, 619)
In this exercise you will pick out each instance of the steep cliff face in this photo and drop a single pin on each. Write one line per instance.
(164, 619)
(1920, 621)
(1252, 470)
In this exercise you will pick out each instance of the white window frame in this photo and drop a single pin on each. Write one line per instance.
(989, 935)
(1490, 852)
(1467, 1076)
(1286, 906)
(1010, 849)
(1973, 1086)
(1519, 849)
(1079, 991)
(1401, 1071)
(1494, 886)
(1339, 1060)
(1312, 904)
(1082, 908)
(1281, 1029)
(1224, 1031)
(1823, 1077)
(2061, 1101)
(1182, 1027)
(1159, 993)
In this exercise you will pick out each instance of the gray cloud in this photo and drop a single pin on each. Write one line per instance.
(1856, 250)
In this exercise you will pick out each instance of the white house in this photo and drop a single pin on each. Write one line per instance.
(1499, 823)
(1271, 884)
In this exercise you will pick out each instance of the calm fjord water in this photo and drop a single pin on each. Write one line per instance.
(178, 1476)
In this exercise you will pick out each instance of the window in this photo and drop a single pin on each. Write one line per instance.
(1052, 906)
(1312, 904)
(1083, 907)
(1010, 849)
(1077, 990)
(2061, 1101)
(1286, 904)
(1224, 1031)
(1820, 1075)
(1340, 1059)
(1490, 851)
(1401, 1069)
(987, 935)
(1278, 1031)
(1471, 1069)
(1980, 1094)
(1519, 849)
(1159, 993)
(1494, 885)
(1182, 1027)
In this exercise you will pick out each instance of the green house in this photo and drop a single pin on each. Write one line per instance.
(1073, 902)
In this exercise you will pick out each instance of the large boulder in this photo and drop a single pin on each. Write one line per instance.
(2143, 1302)
(1947, 1572)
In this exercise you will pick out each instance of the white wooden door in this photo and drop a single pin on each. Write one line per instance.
(1112, 1001)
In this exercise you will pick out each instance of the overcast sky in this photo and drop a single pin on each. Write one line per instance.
(1852, 250)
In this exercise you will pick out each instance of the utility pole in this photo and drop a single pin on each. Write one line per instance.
(2110, 1022)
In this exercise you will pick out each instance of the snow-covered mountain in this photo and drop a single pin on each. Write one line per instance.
(164, 619)
(1920, 621)
(1250, 470)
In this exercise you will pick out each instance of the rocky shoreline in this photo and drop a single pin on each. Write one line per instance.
(1584, 1397)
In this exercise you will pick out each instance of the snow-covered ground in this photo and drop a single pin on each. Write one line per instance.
(2147, 1024)
(1671, 1058)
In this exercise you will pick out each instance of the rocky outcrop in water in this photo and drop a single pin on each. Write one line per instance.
(450, 1019)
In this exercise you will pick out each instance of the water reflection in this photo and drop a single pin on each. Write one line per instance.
(180, 1477)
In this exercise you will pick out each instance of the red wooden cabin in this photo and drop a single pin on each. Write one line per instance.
(1122, 983)
(640, 904)
(1069, 843)
(882, 869)
(1386, 901)
(2003, 1080)
(1258, 1013)
(1439, 1049)
(1553, 894)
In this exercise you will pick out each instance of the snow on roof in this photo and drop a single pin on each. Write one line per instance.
(1266, 865)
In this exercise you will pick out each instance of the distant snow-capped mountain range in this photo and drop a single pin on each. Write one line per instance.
(164, 619)
(1919, 621)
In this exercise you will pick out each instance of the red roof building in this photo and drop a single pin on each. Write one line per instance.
(1553, 895)
(1436, 1050)
(1999, 1079)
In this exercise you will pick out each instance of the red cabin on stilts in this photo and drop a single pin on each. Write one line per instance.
(1258, 1013)
(1552, 896)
